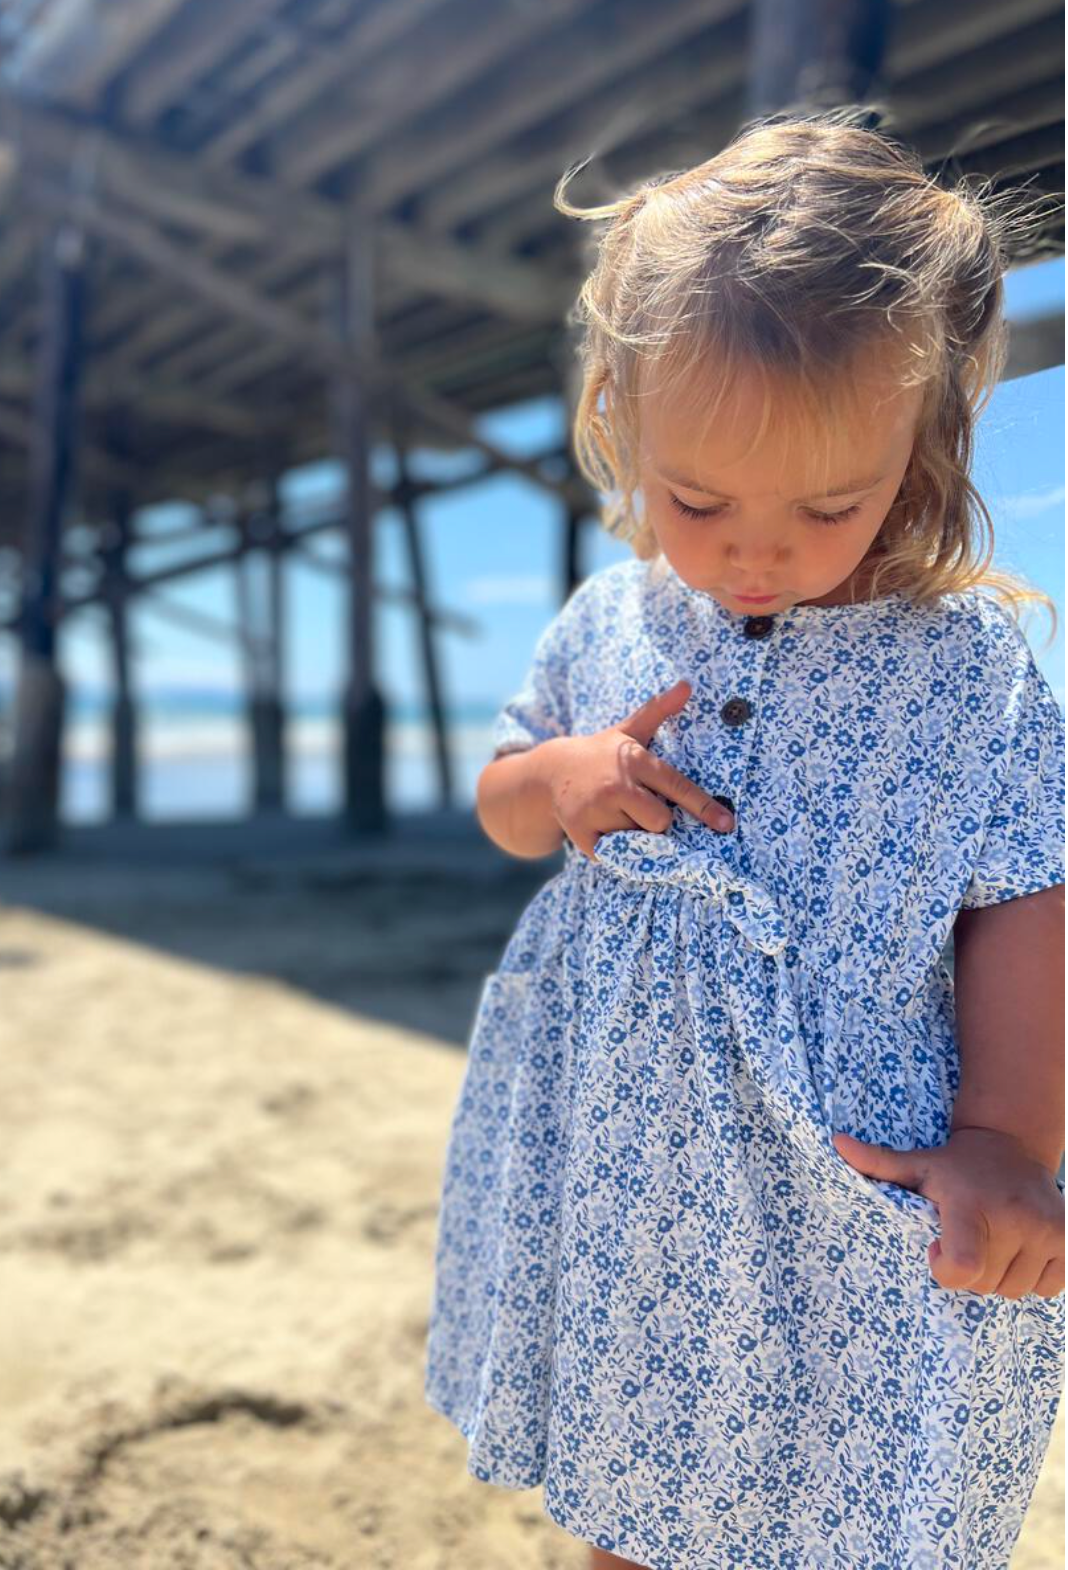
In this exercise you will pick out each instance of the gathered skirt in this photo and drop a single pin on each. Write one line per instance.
(659, 1291)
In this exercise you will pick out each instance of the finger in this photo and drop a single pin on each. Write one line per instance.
(947, 1277)
(987, 1280)
(646, 719)
(1051, 1281)
(666, 780)
(907, 1168)
(963, 1248)
(588, 844)
(648, 811)
(1020, 1276)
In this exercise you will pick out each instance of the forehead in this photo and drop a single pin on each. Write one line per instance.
(703, 430)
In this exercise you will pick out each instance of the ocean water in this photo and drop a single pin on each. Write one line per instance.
(202, 769)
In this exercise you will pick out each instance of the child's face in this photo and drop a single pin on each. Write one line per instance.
(762, 533)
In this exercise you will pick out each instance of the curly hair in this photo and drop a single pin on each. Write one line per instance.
(810, 241)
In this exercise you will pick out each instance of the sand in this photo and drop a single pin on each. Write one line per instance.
(225, 1093)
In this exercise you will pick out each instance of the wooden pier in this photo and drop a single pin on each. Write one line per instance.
(237, 236)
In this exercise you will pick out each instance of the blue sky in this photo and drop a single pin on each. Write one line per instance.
(492, 552)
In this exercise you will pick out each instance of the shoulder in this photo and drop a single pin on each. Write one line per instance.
(1002, 642)
(623, 588)
(600, 597)
(618, 578)
(997, 672)
(981, 631)
(987, 619)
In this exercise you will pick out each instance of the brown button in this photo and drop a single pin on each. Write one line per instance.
(724, 801)
(758, 626)
(735, 711)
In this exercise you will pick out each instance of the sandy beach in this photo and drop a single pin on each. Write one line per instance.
(225, 1093)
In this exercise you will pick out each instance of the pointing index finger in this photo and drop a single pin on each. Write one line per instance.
(666, 780)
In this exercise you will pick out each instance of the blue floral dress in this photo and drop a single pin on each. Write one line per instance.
(659, 1291)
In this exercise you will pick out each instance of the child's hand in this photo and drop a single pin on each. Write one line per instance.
(1001, 1211)
(607, 781)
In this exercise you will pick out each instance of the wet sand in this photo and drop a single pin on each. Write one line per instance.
(225, 1091)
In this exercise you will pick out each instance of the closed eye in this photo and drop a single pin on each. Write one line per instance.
(816, 517)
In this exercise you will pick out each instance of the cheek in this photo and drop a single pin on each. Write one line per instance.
(866, 536)
(670, 525)
(699, 532)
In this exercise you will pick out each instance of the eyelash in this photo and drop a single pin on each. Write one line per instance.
(816, 517)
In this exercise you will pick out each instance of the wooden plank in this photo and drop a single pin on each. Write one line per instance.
(225, 292)
(176, 406)
(74, 49)
(371, 36)
(440, 265)
(239, 359)
(188, 331)
(1039, 104)
(925, 39)
(234, 208)
(296, 542)
(440, 415)
(225, 205)
(17, 428)
(8, 168)
(197, 40)
(517, 218)
(217, 361)
(507, 213)
(922, 37)
(333, 132)
(982, 74)
(188, 617)
(545, 78)
(183, 321)
(929, 36)
(1017, 156)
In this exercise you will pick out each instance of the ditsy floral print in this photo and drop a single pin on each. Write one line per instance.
(659, 1291)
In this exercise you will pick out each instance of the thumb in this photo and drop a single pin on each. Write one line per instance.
(904, 1167)
(650, 715)
(960, 1252)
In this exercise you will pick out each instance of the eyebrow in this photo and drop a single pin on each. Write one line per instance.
(849, 489)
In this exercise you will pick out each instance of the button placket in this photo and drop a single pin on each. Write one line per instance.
(737, 711)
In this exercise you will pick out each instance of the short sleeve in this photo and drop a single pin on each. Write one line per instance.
(1023, 847)
(542, 706)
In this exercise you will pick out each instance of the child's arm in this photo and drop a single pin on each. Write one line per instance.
(994, 1179)
(514, 802)
(1008, 973)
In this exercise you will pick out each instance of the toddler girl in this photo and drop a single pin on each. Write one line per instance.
(751, 1242)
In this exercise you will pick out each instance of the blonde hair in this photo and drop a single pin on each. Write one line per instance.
(809, 241)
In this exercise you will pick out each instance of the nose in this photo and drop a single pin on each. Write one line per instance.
(753, 559)
(752, 542)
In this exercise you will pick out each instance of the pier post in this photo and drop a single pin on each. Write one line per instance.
(363, 709)
(814, 52)
(30, 814)
(123, 717)
(404, 495)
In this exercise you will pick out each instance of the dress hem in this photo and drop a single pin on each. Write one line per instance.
(461, 1424)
